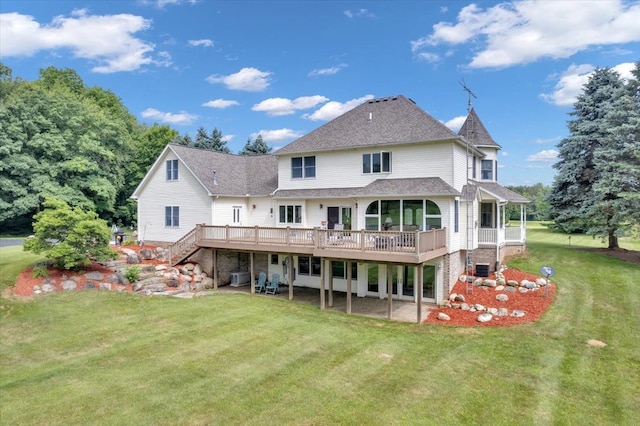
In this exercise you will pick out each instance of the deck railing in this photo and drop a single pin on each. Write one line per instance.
(381, 241)
(509, 234)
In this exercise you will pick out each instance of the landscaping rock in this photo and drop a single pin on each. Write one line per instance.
(502, 297)
(133, 259)
(499, 288)
(105, 286)
(464, 306)
(443, 317)
(69, 285)
(479, 307)
(95, 275)
(148, 254)
(510, 290)
(207, 282)
(489, 283)
(486, 317)
(517, 313)
(48, 288)
(512, 283)
(503, 312)
(90, 285)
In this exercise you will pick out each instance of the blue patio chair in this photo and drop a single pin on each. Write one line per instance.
(274, 285)
(261, 284)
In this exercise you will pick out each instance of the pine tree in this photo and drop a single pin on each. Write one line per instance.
(587, 194)
(217, 143)
(257, 147)
(202, 140)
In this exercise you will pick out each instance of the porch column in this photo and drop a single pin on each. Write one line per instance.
(330, 273)
(499, 224)
(389, 291)
(322, 269)
(348, 286)
(290, 272)
(215, 269)
(418, 288)
(253, 273)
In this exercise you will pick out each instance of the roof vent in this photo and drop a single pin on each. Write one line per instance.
(215, 182)
(370, 116)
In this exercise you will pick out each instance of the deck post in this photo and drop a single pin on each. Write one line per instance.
(253, 273)
(418, 288)
(322, 269)
(215, 269)
(290, 273)
(330, 273)
(349, 286)
(389, 291)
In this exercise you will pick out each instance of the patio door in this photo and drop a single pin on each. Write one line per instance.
(237, 215)
(338, 215)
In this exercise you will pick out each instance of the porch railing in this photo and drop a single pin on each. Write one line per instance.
(495, 236)
(381, 241)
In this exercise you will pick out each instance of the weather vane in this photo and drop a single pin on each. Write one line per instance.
(469, 92)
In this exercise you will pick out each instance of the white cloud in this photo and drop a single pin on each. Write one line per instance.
(327, 71)
(205, 42)
(570, 85)
(545, 156)
(521, 32)
(504, 153)
(277, 135)
(227, 138)
(247, 79)
(106, 39)
(333, 109)
(181, 118)
(456, 123)
(554, 139)
(573, 79)
(220, 103)
(359, 13)
(284, 106)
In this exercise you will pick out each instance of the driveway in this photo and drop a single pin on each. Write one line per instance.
(11, 242)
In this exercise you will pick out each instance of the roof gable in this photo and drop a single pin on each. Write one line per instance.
(474, 131)
(224, 174)
(378, 122)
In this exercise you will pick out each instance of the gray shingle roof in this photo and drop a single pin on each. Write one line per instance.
(235, 175)
(431, 186)
(474, 131)
(385, 121)
(469, 192)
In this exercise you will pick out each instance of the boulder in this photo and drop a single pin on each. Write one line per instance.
(148, 254)
(94, 275)
(502, 297)
(133, 259)
(512, 283)
(517, 313)
(479, 307)
(486, 317)
(48, 288)
(207, 282)
(489, 283)
(443, 317)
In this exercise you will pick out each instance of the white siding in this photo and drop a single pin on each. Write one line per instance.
(186, 193)
(341, 169)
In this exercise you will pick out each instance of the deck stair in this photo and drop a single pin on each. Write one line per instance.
(184, 247)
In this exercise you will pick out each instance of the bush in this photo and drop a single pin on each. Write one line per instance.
(70, 237)
(40, 271)
(133, 274)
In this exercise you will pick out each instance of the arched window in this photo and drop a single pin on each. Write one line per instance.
(372, 216)
(432, 216)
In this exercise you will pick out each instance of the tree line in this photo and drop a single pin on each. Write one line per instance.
(61, 138)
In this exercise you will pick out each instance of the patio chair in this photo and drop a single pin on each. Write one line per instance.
(261, 284)
(274, 286)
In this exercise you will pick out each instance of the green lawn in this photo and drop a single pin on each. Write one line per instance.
(119, 359)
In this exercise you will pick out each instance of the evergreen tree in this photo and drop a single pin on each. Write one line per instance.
(202, 140)
(217, 144)
(257, 147)
(183, 140)
(587, 193)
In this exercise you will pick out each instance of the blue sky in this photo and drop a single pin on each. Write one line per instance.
(284, 68)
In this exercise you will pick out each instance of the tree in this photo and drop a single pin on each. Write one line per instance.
(592, 191)
(60, 138)
(69, 236)
(202, 140)
(217, 142)
(257, 147)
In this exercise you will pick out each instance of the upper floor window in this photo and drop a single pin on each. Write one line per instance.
(303, 167)
(486, 172)
(172, 216)
(172, 169)
(376, 162)
(290, 214)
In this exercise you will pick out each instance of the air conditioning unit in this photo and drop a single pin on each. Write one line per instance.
(240, 278)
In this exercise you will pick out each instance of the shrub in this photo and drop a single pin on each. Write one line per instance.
(133, 274)
(40, 271)
(69, 236)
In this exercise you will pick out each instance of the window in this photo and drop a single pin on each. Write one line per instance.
(309, 266)
(486, 171)
(474, 166)
(303, 167)
(290, 214)
(172, 169)
(339, 269)
(486, 215)
(377, 162)
(456, 214)
(172, 216)
(274, 259)
(303, 265)
(237, 215)
(315, 266)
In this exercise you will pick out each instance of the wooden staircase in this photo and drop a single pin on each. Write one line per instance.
(184, 247)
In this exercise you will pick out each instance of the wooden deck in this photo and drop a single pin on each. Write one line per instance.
(388, 246)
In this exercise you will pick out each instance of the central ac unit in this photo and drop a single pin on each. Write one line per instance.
(240, 278)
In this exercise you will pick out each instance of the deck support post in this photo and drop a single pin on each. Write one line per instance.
(389, 291)
(330, 273)
(322, 271)
(349, 286)
(290, 273)
(253, 273)
(215, 269)
(418, 288)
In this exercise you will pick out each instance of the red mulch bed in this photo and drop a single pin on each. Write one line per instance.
(26, 281)
(533, 303)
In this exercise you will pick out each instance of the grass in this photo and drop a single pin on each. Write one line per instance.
(104, 358)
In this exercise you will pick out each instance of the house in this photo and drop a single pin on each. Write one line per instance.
(379, 201)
